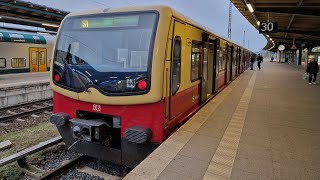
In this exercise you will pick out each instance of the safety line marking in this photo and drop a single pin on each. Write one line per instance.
(222, 161)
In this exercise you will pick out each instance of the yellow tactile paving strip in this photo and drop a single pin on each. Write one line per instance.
(155, 163)
(222, 161)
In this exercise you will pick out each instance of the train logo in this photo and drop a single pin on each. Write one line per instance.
(96, 107)
(85, 24)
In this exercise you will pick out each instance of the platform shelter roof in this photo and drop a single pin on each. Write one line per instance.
(30, 14)
(298, 21)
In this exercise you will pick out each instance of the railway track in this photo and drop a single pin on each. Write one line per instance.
(74, 169)
(26, 109)
(64, 168)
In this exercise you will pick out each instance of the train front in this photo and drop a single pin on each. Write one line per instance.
(108, 84)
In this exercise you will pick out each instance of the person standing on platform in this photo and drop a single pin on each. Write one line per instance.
(252, 61)
(259, 59)
(313, 70)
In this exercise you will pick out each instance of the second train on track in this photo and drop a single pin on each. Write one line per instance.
(125, 78)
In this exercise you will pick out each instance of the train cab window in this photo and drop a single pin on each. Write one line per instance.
(176, 65)
(18, 62)
(2, 63)
(195, 61)
(112, 53)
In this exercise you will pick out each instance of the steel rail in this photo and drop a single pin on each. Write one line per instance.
(12, 117)
(65, 168)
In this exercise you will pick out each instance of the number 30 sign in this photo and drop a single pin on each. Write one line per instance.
(268, 27)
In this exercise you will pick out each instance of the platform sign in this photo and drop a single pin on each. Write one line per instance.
(268, 27)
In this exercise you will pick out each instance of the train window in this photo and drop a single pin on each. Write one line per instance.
(195, 61)
(2, 63)
(176, 65)
(17, 38)
(22, 62)
(14, 63)
(18, 62)
(34, 57)
(223, 60)
(36, 39)
(41, 57)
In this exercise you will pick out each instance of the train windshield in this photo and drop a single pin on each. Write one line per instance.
(111, 53)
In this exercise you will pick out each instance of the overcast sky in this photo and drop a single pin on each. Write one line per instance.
(211, 13)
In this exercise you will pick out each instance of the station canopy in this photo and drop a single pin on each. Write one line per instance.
(298, 21)
(26, 13)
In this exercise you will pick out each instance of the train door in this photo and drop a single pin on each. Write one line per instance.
(211, 68)
(204, 76)
(176, 100)
(42, 59)
(239, 61)
(38, 59)
(204, 69)
(230, 63)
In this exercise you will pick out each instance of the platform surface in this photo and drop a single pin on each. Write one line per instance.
(11, 80)
(264, 125)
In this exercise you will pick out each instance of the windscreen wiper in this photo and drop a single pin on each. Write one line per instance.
(73, 70)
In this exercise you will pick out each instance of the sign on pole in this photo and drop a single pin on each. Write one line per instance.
(268, 27)
(281, 47)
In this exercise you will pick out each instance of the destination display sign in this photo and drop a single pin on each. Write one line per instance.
(105, 22)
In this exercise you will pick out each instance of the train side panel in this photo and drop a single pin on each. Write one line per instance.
(15, 57)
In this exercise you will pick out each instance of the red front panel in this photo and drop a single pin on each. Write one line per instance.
(145, 115)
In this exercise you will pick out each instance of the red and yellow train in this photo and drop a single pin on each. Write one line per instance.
(125, 78)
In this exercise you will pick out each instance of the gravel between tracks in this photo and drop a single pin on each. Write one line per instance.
(28, 122)
(99, 165)
(54, 157)
(108, 167)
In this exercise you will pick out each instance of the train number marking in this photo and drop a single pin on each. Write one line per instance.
(131, 83)
(85, 23)
(96, 107)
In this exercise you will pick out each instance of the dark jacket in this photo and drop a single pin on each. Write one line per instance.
(260, 59)
(253, 58)
(313, 67)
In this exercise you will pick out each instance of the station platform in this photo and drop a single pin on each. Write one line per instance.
(24, 87)
(11, 80)
(264, 125)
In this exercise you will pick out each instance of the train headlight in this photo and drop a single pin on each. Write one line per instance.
(142, 84)
(57, 77)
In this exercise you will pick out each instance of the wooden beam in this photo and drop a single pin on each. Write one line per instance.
(5, 144)
(30, 150)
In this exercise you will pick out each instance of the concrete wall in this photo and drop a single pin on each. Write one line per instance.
(10, 96)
